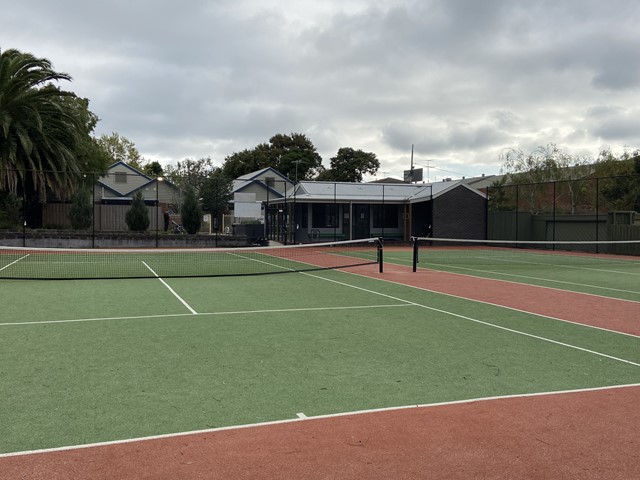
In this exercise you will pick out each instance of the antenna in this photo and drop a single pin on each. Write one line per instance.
(412, 175)
(412, 157)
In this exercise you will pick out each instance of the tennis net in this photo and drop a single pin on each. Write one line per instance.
(66, 264)
(460, 254)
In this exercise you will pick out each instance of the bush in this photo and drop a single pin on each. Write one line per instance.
(81, 212)
(10, 210)
(137, 217)
(191, 213)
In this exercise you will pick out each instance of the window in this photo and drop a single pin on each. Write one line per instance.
(121, 177)
(270, 181)
(324, 215)
(385, 216)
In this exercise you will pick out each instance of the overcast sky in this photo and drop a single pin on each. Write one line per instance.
(462, 80)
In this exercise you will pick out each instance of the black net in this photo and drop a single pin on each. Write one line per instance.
(33, 263)
(520, 256)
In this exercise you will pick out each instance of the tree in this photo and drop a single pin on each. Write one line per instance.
(619, 180)
(10, 210)
(247, 161)
(39, 131)
(121, 149)
(539, 166)
(351, 165)
(81, 212)
(190, 213)
(153, 169)
(216, 192)
(190, 173)
(137, 217)
(293, 155)
(501, 195)
(537, 169)
(90, 155)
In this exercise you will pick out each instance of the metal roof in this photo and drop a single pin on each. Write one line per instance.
(323, 192)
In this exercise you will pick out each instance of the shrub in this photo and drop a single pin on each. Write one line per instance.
(81, 212)
(191, 213)
(10, 210)
(137, 217)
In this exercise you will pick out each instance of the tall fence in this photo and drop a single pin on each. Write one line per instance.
(589, 209)
(279, 210)
(92, 211)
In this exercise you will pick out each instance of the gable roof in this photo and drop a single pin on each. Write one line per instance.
(129, 167)
(388, 180)
(240, 185)
(327, 192)
(127, 193)
(257, 173)
(253, 178)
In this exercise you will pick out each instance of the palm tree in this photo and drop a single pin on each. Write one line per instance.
(39, 131)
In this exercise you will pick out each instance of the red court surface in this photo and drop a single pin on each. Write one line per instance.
(587, 435)
(610, 313)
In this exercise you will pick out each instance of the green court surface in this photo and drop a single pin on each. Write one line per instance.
(101, 360)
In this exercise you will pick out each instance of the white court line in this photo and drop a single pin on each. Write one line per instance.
(171, 290)
(482, 322)
(404, 263)
(558, 265)
(317, 417)
(233, 312)
(564, 282)
(594, 327)
(15, 261)
(463, 317)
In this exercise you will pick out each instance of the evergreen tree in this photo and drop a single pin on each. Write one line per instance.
(10, 210)
(137, 217)
(190, 212)
(81, 213)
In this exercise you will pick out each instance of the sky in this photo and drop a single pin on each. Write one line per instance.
(461, 81)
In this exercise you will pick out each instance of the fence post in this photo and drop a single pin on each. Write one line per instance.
(553, 230)
(597, 213)
(517, 207)
(24, 218)
(93, 210)
(486, 214)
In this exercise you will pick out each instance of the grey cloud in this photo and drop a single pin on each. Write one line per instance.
(462, 79)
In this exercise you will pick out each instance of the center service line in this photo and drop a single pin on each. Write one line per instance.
(171, 289)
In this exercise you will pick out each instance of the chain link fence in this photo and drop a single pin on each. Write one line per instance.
(97, 212)
(122, 208)
(589, 209)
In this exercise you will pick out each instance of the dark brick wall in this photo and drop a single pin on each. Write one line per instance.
(459, 213)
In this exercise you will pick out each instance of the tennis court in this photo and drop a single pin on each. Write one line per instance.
(469, 370)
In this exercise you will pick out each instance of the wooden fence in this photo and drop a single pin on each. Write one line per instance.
(109, 218)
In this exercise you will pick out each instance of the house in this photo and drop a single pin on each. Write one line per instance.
(251, 192)
(122, 182)
(114, 192)
(267, 184)
(112, 195)
(321, 211)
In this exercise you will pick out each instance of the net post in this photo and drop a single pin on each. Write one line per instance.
(380, 255)
(415, 253)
